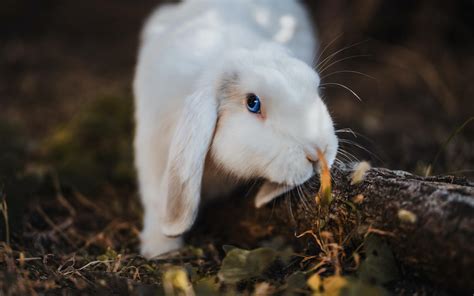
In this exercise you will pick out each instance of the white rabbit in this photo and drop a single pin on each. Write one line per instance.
(224, 93)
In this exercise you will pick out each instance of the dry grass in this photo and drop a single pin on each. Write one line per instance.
(73, 242)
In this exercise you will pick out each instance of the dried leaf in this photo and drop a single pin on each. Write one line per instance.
(21, 259)
(263, 289)
(358, 199)
(242, 264)
(279, 243)
(207, 286)
(379, 265)
(295, 282)
(359, 172)
(228, 248)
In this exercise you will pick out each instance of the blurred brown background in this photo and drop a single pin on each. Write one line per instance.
(58, 57)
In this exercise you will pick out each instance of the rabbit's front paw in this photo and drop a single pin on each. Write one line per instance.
(155, 243)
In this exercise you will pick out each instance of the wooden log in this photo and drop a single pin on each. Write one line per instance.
(428, 221)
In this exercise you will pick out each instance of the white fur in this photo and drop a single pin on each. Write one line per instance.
(194, 136)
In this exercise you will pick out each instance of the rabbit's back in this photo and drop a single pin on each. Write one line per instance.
(180, 41)
(283, 21)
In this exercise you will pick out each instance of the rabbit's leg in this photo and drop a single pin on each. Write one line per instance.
(153, 241)
(149, 154)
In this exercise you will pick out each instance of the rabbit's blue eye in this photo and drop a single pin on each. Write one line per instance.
(253, 103)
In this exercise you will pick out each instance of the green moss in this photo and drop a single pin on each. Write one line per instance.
(12, 149)
(95, 147)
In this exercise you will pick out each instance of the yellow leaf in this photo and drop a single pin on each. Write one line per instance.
(406, 216)
(333, 285)
(314, 282)
(176, 280)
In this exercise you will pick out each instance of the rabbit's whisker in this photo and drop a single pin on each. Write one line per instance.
(352, 143)
(345, 152)
(345, 159)
(251, 187)
(306, 195)
(347, 130)
(331, 56)
(347, 155)
(339, 162)
(348, 71)
(302, 197)
(326, 47)
(343, 86)
(289, 201)
(321, 71)
(354, 134)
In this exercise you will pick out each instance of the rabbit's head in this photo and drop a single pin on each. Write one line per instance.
(258, 114)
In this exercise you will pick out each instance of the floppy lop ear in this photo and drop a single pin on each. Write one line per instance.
(188, 150)
(268, 192)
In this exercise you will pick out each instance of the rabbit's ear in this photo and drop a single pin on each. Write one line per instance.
(268, 192)
(187, 155)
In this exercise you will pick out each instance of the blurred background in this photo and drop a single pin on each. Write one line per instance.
(66, 121)
(63, 62)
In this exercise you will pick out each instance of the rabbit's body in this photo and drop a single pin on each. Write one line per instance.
(188, 54)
